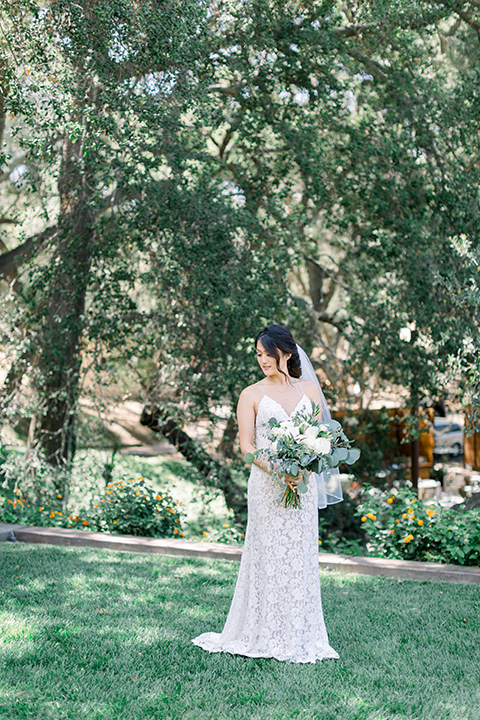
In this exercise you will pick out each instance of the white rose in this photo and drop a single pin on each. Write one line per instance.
(309, 443)
(274, 446)
(322, 446)
(311, 432)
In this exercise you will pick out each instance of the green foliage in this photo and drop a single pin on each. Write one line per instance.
(398, 525)
(340, 529)
(133, 507)
(380, 461)
(229, 534)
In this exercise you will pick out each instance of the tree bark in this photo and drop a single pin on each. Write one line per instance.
(68, 278)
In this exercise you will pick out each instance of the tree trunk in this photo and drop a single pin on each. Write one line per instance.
(67, 282)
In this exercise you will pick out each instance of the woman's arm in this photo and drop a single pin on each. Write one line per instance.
(246, 414)
(312, 391)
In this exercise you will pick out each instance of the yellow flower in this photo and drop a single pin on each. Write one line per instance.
(114, 522)
(182, 535)
(410, 511)
(397, 521)
(110, 485)
(413, 501)
(226, 526)
(137, 493)
(363, 518)
(95, 506)
(59, 496)
(175, 531)
(404, 515)
(390, 500)
(319, 542)
(158, 497)
(419, 522)
(52, 514)
(408, 538)
(85, 522)
(371, 516)
(392, 531)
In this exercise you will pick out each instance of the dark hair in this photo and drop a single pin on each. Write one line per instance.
(275, 338)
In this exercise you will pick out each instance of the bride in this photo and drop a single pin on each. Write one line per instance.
(276, 611)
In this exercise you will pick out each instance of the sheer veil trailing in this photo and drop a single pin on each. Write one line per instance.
(329, 487)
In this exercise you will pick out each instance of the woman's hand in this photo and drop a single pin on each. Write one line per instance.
(293, 481)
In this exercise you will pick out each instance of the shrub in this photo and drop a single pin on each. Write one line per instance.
(133, 507)
(398, 525)
(340, 529)
(229, 534)
(130, 507)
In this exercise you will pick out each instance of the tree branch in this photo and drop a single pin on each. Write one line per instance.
(215, 473)
(10, 260)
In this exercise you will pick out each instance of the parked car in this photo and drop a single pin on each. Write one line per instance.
(448, 437)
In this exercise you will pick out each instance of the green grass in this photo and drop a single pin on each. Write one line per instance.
(104, 635)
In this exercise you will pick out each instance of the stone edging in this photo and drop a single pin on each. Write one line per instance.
(405, 569)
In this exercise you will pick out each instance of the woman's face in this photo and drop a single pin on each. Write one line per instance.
(268, 363)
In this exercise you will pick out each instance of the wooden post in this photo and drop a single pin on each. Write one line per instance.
(415, 443)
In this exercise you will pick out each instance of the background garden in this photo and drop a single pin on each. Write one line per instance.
(174, 176)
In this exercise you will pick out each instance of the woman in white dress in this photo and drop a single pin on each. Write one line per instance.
(276, 610)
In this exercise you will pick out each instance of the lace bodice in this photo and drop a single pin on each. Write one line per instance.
(268, 408)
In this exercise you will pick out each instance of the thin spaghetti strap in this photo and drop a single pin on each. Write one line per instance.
(261, 383)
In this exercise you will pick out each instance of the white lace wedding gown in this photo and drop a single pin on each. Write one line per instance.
(276, 610)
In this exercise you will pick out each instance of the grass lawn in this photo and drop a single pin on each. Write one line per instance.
(105, 635)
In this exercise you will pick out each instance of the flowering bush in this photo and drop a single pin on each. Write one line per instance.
(229, 534)
(131, 507)
(21, 510)
(398, 525)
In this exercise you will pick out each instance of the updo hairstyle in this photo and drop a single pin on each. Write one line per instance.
(275, 338)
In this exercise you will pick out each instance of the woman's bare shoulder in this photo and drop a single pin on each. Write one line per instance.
(251, 392)
(312, 390)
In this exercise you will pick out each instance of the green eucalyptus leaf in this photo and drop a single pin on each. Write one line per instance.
(353, 455)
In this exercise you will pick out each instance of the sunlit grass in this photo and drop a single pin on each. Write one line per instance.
(104, 635)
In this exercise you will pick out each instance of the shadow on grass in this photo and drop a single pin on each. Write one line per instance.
(103, 635)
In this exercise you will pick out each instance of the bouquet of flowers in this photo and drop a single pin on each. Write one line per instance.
(304, 444)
